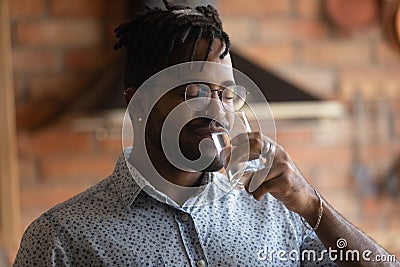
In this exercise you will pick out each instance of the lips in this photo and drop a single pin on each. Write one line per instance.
(203, 132)
(204, 128)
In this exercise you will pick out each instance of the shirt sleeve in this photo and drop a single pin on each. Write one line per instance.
(42, 245)
(313, 252)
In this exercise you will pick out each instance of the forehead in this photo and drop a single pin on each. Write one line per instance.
(202, 48)
(208, 72)
(214, 71)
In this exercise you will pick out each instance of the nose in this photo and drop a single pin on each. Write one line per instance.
(215, 108)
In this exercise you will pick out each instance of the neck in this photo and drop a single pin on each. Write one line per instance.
(169, 172)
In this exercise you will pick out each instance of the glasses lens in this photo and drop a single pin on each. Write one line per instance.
(197, 96)
(234, 97)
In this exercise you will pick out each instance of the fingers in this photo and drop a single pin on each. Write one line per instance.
(265, 175)
(257, 179)
(225, 155)
(244, 181)
(245, 137)
(247, 146)
(283, 181)
(246, 152)
(277, 184)
(280, 178)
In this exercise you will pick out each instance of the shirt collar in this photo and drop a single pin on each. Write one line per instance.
(129, 183)
(124, 182)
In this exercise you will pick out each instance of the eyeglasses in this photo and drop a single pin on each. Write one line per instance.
(198, 96)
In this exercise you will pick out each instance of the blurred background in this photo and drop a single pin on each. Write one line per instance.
(330, 69)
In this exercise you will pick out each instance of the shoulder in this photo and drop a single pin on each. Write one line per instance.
(38, 244)
(74, 210)
(100, 194)
(47, 237)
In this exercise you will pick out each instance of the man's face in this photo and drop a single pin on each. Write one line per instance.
(196, 123)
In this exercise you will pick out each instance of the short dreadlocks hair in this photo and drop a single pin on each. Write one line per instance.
(157, 38)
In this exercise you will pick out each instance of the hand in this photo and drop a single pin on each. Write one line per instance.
(283, 181)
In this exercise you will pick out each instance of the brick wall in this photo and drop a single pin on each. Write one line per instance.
(59, 45)
(61, 161)
(294, 39)
(360, 68)
(58, 49)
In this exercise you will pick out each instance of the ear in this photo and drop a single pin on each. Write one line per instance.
(140, 106)
(128, 94)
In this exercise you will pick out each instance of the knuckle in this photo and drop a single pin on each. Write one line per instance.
(258, 135)
(287, 168)
(285, 156)
(257, 143)
(279, 147)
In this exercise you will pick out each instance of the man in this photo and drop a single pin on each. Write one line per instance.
(129, 219)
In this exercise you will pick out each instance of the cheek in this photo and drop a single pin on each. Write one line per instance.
(179, 117)
(183, 118)
(230, 116)
(163, 108)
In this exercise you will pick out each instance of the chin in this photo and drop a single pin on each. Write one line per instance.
(215, 165)
(216, 162)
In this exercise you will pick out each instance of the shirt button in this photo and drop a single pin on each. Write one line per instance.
(185, 217)
(201, 263)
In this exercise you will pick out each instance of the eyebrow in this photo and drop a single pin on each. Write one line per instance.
(224, 84)
(228, 83)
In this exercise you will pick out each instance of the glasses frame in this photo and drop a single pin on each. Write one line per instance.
(241, 96)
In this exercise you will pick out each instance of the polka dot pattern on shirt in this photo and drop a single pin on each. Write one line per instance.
(114, 223)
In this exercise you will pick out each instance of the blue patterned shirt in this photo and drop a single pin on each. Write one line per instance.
(116, 223)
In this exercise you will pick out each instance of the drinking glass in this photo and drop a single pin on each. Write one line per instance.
(235, 171)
